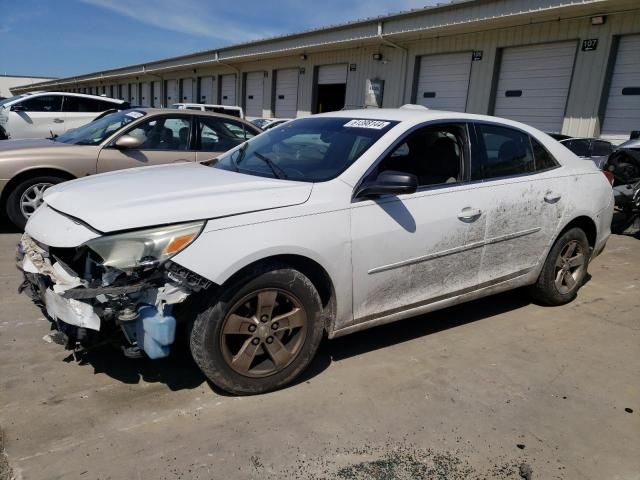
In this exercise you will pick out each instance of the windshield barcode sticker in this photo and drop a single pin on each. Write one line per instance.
(375, 124)
(134, 114)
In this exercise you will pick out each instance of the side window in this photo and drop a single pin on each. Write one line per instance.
(579, 146)
(218, 135)
(43, 103)
(602, 148)
(163, 133)
(81, 104)
(503, 152)
(434, 154)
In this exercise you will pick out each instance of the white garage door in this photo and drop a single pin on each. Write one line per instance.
(287, 93)
(156, 94)
(206, 90)
(145, 95)
(443, 81)
(187, 90)
(228, 90)
(623, 104)
(133, 94)
(332, 74)
(254, 94)
(534, 84)
(171, 93)
(124, 92)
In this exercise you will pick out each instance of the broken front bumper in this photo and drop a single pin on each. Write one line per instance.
(137, 308)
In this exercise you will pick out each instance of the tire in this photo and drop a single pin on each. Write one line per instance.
(13, 207)
(564, 270)
(236, 347)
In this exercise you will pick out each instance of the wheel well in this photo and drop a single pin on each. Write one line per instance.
(310, 268)
(37, 172)
(587, 225)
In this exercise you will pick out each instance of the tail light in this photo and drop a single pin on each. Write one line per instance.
(609, 176)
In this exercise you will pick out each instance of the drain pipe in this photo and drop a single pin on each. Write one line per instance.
(403, 66)
(235, 69)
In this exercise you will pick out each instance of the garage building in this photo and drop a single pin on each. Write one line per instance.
(567, 66)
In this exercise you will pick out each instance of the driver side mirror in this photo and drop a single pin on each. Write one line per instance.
(389, 182)
(127, 141)
(18, 108)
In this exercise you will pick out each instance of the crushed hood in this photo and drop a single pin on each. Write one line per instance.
(143, 197)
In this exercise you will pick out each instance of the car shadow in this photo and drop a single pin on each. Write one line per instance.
(180, 372)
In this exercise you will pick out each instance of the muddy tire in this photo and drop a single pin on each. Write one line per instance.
(27, 196)
(261, 333)
(564, 270)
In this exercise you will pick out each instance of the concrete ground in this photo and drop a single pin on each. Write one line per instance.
(497, 388)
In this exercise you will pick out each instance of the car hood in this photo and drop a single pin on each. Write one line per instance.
(148, 196)
(31, 143)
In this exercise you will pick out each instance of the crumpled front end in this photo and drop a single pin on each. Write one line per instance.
(92, 303)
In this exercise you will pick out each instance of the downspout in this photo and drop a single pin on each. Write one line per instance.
(235, 69)
(403, 66)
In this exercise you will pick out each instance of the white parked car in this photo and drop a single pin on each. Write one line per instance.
(205, 107)
(326, 225)
(50, 114)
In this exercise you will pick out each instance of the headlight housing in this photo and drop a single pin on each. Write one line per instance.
(144, 248)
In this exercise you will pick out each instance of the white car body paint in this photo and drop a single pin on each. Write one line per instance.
(387, 259)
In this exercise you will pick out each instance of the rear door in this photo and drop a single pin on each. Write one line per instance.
(39, 116)
(523, 196)
(216, 135)
(165, 138)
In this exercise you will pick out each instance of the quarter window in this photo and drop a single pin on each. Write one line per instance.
(42, 103)
(433, 154)
(544, 160)
(503, 152)
(81, 104)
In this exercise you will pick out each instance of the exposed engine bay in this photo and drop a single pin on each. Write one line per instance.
(91, 302)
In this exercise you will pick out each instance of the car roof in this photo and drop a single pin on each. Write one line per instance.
(116, 101)
(200, 113)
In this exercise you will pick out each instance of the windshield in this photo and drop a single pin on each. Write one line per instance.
(313, 149)
(95, 132)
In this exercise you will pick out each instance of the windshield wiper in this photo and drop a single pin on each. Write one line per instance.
(277, 171)
(234, 162)
(53, 136)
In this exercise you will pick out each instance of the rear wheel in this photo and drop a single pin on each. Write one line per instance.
(27, 196)
(564, 270)
(260, 335)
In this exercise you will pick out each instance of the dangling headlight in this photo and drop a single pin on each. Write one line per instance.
(144, 248)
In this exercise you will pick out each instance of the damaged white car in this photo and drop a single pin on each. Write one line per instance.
(324, 226)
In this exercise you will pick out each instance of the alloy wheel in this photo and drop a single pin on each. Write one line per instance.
(263, 333)
(31, 198)
(569, 267)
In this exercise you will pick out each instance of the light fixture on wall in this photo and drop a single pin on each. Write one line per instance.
(303, 56)
(377, 56)
(599, 20)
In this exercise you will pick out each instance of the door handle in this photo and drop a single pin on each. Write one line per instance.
(552, 197)
(58, 120)
(469, 214)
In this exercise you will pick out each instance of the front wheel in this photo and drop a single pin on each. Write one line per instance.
(27, 196)
(261, 334)
(564, 270)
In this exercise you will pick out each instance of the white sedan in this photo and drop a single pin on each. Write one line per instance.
(326, 225)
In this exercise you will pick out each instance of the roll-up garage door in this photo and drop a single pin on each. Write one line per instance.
(228, 90)
(133, 94)
(187, 90)
(332, 74)
(156, 94)
(623, 103)
(206, 90)
(124, 92)
(171, 93)
(534, 82)
(145, 95)
(286, 93)
(443, 81)
(254, 89)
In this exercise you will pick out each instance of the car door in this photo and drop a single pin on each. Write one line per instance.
(79, 110)
(413, 249)
(216, 135)
(165, 138)
(523, 197)
(37, 116)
